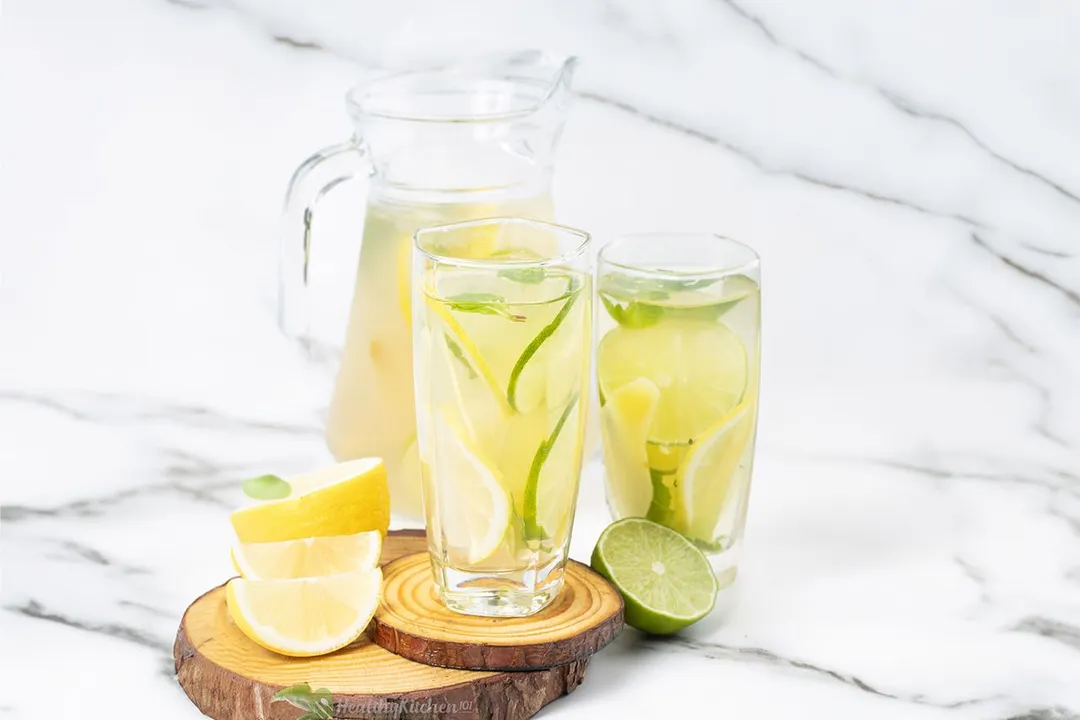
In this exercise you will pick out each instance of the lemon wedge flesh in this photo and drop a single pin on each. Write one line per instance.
(343, 499)
(474, 506)
(711, 477)
(625, 421)
(310, 557)
(308, 616)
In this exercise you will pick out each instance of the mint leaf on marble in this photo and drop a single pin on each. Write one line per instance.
(319, 703)
(267, 487)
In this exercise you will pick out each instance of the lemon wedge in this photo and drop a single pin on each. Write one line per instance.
(474, 506)
(305, 617)
(310, 557)
(711, 476)
(343, 499)
(625, 421)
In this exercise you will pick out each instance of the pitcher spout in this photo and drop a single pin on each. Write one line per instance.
(551, 75)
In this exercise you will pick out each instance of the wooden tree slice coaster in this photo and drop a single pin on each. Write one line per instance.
(412, 622)
(228, 677)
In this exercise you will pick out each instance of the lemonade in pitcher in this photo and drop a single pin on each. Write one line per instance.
(472, 140)
(376, 362)
(502, 377)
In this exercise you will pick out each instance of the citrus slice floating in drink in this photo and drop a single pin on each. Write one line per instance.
(707, 481)
(667, 583)
(548, 370)
(700, 369)
(474, 507)
(478, 395)
(309, 557)
(551, 485)
(625, 420)
(308, 616)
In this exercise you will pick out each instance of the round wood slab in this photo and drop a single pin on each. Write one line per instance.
(411, 621)
(228, 677)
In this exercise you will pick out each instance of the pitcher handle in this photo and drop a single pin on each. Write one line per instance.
(315, 177)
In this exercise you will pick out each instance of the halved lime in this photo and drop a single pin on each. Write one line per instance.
(666, 582)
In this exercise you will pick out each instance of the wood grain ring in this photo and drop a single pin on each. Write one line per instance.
(412, 622)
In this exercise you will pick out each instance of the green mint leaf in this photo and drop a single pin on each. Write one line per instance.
(296, 695)
(614, 309)
(527, 276)
(482, 304)
(632, 314)
(267, 487)
(651, 288)
(319, 704)
(324, 704)
(640, 315)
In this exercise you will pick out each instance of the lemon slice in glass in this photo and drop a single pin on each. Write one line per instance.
(475, 508)
(309, 557)
(625, 420)
(478, 395)
(708, 482)
(305, 617)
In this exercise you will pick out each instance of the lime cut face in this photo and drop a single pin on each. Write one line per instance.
(666, 582)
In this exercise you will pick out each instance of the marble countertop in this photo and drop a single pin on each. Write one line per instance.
(909, 171)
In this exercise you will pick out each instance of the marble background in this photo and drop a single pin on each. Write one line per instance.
(909, 171)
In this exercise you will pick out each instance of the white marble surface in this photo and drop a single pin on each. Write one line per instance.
(909, 171)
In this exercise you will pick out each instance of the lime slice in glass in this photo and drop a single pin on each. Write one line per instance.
(701, 370)
(666, 581)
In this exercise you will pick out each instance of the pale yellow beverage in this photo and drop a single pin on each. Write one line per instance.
(502, 380)
(372, 409)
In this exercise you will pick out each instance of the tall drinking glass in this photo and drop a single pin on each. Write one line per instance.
(678, 364)
(502, 319)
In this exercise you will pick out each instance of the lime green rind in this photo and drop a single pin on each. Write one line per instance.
(624, 555)
(531, 349)
(533, 530)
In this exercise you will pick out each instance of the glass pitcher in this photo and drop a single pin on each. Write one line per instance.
(473, 140)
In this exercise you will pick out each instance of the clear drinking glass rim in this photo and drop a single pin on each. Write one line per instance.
(358, 96)
(603, 262)
(559, 259)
